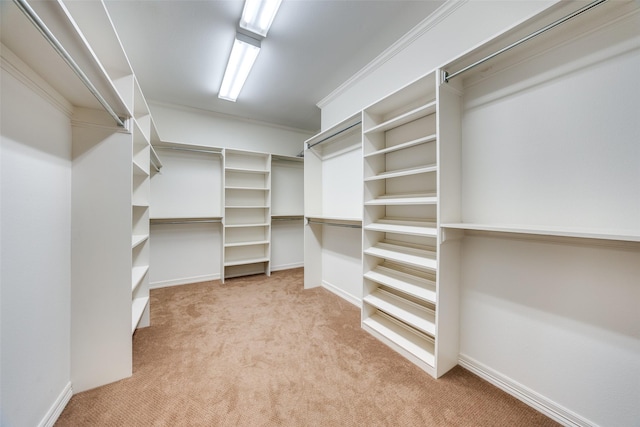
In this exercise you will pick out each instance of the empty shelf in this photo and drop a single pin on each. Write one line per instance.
(139, 170)
(245, 261)
(414, 257)
(416, 113)
(408, 144)
(403, 172)
(414, 228)
(137, 274)
(137, 309)
(418, 345)
(246, 188)
(245, 225)
(246, 170)
(137, 239)
(412, 314)
(418, 287)
(248, 243)
(404, 199)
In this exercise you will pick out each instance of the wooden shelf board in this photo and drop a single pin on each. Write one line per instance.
(420, 347)
(405, 255)
(138, 239)
(139, 170)
(246, 188)
(251, 243)
(616, 235)
(408, 312)
(137, 309)
(247, 170)
(246, 207)
(416, 113)
(404, 199)
(231, 263)
(408, 144)
(137, 274)
(246, 225)
(414, 228)
(403, 172)
(416, 286)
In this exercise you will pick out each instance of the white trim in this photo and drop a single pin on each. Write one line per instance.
(418, 31)
(13, 65)
(58, 406)
(225, 116)
(342, 294)
(287, 266)
(184, 281)
(537, 401)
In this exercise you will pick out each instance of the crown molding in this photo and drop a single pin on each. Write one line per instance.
(225, 116)
(415, 33)
(12, 64)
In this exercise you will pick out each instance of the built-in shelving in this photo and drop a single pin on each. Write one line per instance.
(401, 302)
(246, 235)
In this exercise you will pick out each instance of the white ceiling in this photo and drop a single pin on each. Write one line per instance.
(179, 49)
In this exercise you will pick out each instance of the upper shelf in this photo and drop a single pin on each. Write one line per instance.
(599, 234)
(409, 116)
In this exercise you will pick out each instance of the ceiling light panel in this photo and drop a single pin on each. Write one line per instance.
(258, 15)
(243, 54)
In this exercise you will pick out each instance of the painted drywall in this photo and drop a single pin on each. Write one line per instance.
(456, 28)
(191, 126)
(36, 255)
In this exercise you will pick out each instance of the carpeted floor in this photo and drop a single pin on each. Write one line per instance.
(261, 351)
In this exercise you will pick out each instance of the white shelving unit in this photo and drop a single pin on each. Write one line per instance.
(110, 208)
(246, 234)
(401, 292)
(333, 209)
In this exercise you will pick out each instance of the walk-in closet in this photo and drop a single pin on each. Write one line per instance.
(395, 213)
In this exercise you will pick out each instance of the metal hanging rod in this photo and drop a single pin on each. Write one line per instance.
(334, 224)
(40, 25)
(554, 24)
(196, 150)
(334, 134)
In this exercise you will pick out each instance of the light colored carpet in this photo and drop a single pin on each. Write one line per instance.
(261, 351)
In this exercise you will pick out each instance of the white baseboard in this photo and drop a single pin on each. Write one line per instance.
(537, 401)
(342, 294)
(287, 266)
(183, 281)
(58, 406)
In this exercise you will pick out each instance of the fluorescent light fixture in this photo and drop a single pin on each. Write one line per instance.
(243, 54)
(258, 15)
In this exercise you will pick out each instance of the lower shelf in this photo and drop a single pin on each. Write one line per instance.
(137, 309)
(245, 261)
(415, 315)
(401, 338)
(416, 286)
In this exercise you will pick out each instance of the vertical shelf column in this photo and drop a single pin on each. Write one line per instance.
(401, 250)
(246, 235)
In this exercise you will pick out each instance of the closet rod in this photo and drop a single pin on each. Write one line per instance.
(40, 25)
(554, 24)
(187, 149)
(332, 135)
(334, 224)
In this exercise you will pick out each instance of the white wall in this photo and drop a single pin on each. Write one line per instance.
(458, 26)
(36, 260)
(200, 127)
